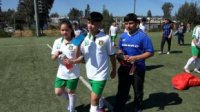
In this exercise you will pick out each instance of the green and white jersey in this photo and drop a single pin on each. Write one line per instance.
(68, 50)
(96, 54)
(113, 30)
(196, 35)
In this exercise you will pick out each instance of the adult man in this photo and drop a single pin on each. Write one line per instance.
(134, 47)
(166, 36)
(97, 50)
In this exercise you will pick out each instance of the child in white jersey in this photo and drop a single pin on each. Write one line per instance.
(68, 74)
(195, 45)
(97, 51)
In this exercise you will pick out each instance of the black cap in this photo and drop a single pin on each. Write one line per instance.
(95, 16)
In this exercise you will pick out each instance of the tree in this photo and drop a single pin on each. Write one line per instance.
(107, 19)
(25, 10)
(188, 13)
(75, 14)
(54, 14)
(149, 13)
(167, 8)
(87, 10)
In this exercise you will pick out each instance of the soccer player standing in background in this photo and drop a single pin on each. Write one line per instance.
(113, 32)
(166, 36)
(135, 46)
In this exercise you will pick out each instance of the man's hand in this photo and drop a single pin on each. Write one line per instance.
(113, 74)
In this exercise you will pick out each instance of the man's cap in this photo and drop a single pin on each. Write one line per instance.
(95, 16)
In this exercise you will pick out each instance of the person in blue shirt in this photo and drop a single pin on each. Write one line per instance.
(134, 47)
(166, 36)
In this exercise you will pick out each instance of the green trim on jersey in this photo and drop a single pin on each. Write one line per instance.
(97, 86)
(69, 84)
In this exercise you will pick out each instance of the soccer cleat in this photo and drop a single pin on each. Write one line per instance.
(186, 70)
(196, 70)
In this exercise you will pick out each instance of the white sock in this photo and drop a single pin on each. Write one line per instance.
(72, 101)
(65, 95)
(189, 62)
(93, 108)
(101, 103)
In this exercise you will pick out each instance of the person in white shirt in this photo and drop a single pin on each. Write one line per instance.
(113, 32)
(68, 74)
(77, 31)
(97, 50)
(195, 45)
(142, 25)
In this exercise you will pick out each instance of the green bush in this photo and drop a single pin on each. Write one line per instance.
(4, 34)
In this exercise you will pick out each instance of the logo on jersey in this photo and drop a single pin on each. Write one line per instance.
(101, 42)
(86, 43)
(70, 47)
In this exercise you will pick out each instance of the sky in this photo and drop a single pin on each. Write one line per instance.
(116, 7)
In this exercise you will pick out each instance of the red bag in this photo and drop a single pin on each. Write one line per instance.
(184, 80)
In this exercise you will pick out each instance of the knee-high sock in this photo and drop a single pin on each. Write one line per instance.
(93, 108)
(189, 62)
(72, 102)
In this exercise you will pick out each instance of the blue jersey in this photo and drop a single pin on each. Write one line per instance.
(166, 30)
(136, 44)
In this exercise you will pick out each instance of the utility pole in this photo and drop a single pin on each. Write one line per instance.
(36, 18)
(134, 6)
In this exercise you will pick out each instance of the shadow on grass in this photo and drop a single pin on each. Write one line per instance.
(151, 67)
(161, 100)
(176, 52)
(186, 45)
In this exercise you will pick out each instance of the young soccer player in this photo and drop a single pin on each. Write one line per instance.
(113, 32)
(68, 74)
(97, 50)
(142, 25)
(195, 45)
(134, 47)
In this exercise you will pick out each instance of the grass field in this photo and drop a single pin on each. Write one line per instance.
(27, 79)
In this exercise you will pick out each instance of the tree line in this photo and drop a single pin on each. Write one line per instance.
(24, 15)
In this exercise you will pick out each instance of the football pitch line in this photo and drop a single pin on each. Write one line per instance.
(89, 87)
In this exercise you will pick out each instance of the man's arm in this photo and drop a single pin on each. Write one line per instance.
(113, 62)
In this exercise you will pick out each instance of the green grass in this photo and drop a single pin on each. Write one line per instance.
(27, 79)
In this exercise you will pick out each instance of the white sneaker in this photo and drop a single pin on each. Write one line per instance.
(186, 70)
(168, 52)
(160, 52)
(196, 70)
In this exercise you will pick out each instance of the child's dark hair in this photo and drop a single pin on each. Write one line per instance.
(68, 23)
(130, 17)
